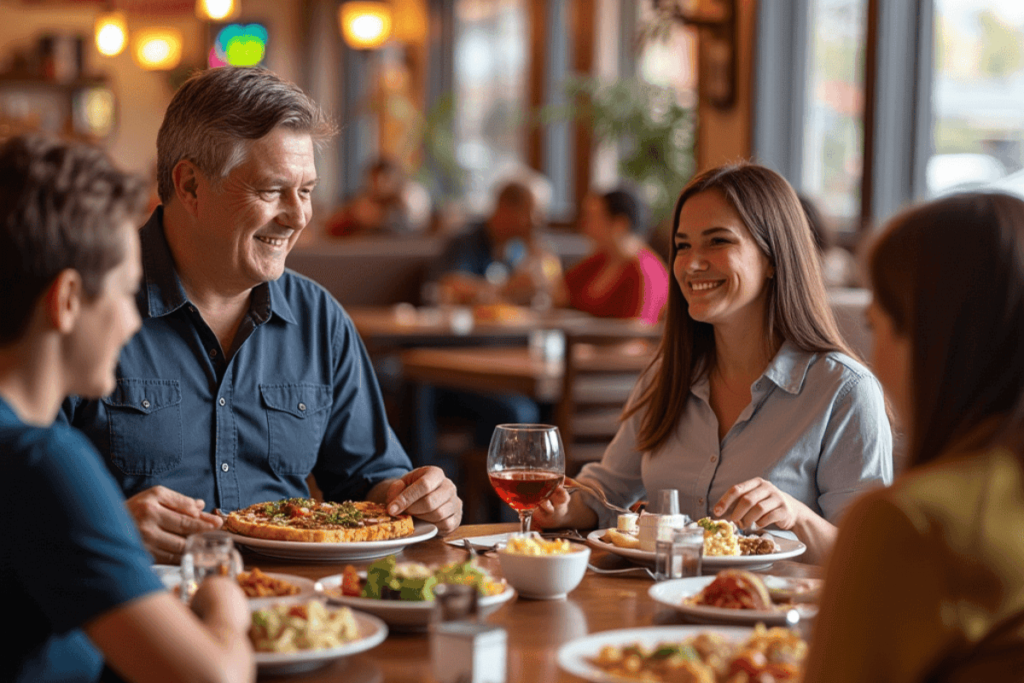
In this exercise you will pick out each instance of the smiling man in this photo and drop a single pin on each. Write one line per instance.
(245, 378)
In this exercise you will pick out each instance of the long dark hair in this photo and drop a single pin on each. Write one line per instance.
(797, 304)
(950, 274)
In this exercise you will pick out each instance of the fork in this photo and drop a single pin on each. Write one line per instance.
(598, 570)
(571, 485)
(474, 550)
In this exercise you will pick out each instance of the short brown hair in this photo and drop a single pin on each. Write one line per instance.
(216, 112)
(950, 274)
(797, 304)
(62, 205)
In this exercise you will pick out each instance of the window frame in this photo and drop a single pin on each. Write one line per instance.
(898, 85)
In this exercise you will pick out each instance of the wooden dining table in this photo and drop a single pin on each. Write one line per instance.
(486, 369)
(535, 629)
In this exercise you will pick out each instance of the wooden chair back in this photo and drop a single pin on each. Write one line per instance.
(601, 370)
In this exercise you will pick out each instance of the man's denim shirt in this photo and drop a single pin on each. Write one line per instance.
(298, 395)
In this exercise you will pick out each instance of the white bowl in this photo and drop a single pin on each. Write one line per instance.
(545, 577)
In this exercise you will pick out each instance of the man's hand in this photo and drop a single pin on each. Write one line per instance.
(165, 518)
(427, 494)
(759, 502)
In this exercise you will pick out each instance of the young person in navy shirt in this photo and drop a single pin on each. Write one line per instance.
(77, 576)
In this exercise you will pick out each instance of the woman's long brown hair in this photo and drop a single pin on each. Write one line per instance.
(797, 304)
(950, 274)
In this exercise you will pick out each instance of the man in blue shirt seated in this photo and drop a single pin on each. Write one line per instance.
(245, 379)
(78, 584)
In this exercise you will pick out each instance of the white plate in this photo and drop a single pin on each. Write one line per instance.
(171, 576)
(398, 613)
(372, 632)
(573, 656)
(787, 548)
(332, 552)
(673, 593)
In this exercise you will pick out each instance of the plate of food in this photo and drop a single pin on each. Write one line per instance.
(292, 637)
(261, 588)
(307, 529)
(400, 593)
(676, 653)
(738, 596)
(724, 546)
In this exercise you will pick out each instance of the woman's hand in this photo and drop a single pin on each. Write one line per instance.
(552, 513)
(758, 502)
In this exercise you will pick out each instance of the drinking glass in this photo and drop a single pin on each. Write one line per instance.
(681, 556)
(211, 553)
(525, 463)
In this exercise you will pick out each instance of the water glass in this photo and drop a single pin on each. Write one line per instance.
(211, 553)
(681, 556)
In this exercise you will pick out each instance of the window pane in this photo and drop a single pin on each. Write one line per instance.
(490, 92)
(978, 96)
(672, 61)
(834, 119)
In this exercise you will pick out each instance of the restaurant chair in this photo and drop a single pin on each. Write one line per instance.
(601, 370)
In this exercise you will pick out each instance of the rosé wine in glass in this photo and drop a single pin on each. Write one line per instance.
(525, 463)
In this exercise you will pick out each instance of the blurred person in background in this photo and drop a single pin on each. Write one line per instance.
(79, 580)
(389, 204)
(622, 278)
(501, 259)
(926, 582)
(754, 408)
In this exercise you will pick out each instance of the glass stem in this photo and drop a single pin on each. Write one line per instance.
(525, 517)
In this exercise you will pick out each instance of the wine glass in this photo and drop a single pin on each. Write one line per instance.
(525, 463)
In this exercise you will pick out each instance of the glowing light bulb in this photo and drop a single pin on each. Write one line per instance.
(111, 33)
(215, 10)
(365, 25)
(157, 49)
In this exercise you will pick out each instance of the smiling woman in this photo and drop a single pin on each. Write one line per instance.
(755, 408)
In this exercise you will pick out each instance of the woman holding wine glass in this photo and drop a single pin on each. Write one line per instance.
(525, 463)
(754, 408)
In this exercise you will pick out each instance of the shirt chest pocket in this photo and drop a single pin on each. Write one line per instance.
(296, 420)
(145, 425)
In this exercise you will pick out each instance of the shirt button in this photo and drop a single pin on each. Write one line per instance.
(222, 401)
(699, 500)
(145, 403)
(192, 309)
(213, 353)
(225, 467)
(713, 457)
(302, 406)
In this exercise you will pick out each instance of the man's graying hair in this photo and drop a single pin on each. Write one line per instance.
(215, 114)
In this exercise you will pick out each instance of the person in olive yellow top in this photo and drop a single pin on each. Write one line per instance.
(926, 581)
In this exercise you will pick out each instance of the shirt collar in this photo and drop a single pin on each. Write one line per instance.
(789, 368)
(787, 371)
(162, 292)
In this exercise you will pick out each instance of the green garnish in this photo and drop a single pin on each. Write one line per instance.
(345, 515)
